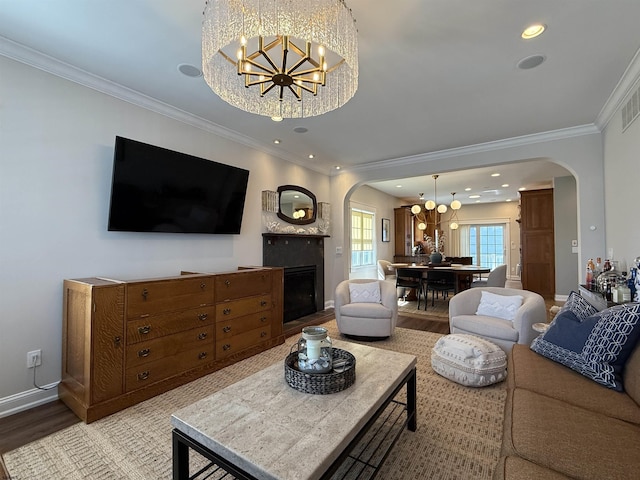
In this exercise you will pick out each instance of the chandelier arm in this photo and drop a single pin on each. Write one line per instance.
(227, 57)
(257, 65)
(258, 82)
(336, 66)
(264, 91)
(296, 94)
(266, 56)
(308, 89)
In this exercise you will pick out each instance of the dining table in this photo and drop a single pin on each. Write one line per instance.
(464, 273)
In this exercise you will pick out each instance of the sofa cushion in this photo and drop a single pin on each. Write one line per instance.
(631, 374)
(516, 468)
(485, 326)
(500, 306)
(597, 346)
(365, 292)
(469, 360)
(526, 369)
(568, 439)
(578, 305)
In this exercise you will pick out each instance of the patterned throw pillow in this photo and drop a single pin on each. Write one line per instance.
(500, 306)
(365, 292)
(596, 347)
(578, 305)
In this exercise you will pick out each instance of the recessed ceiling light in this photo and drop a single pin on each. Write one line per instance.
(468, 189)
(505, 185)
(338, 167)
(522, 188)
(398, 186)
(276, 118)
(189, 70)
(276, 141)
(300, 129)
(533, 31)
(495, 174)
(508, 200)
(477, 201)
(474, 196)
(311, 155)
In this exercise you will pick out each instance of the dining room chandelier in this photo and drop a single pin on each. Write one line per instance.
(423, 214)
(280, 58)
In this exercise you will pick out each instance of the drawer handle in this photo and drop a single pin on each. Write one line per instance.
(202, 336)
(117, 340)
(263, 303)
(143, 375)
(144, 353)
(203, 286)
(144, 330)
(263, 319)
(203, 316)
(145, 292)
(226, 311)
(202, 355)
(226, 329)
(226, 346)
(227, 283)
(263, 334)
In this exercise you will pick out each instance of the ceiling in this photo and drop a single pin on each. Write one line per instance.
(434, 75)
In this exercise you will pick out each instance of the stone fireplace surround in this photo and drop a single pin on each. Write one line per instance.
(296, 250)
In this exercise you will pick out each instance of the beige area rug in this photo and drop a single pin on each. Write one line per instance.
(458, 436)
(439, 309)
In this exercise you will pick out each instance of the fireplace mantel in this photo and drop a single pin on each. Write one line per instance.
(293, 235)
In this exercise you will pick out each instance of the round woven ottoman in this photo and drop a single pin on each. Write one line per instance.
(469, 360)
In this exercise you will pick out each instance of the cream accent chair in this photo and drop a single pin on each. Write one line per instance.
(497, 278)
(372, 320)
(504, 333)
(386, 271)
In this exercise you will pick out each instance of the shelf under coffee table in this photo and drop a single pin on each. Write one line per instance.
(261, 428)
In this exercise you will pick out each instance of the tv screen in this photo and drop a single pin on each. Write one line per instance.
(159, 190)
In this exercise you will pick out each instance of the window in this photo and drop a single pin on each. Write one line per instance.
(362, 222)
(485, 243)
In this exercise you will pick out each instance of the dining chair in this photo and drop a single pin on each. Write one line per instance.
(408, 278)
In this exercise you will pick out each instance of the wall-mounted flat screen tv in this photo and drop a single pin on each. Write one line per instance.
(159, 190)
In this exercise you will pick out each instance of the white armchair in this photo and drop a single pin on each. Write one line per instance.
(386, 270)
(374, 320)
(504, 333)
(497, 278)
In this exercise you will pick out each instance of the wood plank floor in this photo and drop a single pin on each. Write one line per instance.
(24, 427)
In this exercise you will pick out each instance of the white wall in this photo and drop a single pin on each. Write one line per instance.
(56, 155)
(565, 231)
(622, 190)
(383, 205)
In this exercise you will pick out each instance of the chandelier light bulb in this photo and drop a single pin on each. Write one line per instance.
(442, 208)
(415, 209)
(430, 205)
(456, 205)
(422, 226)
(453, 226)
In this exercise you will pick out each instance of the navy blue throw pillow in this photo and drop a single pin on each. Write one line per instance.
(597, 347)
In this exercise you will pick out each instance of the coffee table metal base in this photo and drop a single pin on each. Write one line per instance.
(374, 440)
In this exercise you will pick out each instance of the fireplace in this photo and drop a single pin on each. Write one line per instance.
(299, 292)
(302, 257)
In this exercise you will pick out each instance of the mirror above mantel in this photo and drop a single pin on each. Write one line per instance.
(294, 210)
(297, 205)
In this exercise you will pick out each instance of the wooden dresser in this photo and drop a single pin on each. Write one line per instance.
(127, 341)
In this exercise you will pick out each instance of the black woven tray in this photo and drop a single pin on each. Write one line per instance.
(321, 383)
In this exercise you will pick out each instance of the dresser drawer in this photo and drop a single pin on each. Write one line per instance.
(168, 324)
(143, 375)
(229, 327)
(152, 350)
(148, 298)
(240, 308)
(242, 284)
(229, 346)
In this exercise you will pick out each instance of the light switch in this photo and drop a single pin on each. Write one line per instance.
(338, 250)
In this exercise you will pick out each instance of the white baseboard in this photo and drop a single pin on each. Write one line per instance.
(25, 400)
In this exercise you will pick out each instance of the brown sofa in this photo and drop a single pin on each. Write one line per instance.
(559, 424)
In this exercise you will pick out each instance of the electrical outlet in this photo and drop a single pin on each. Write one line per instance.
(34, 358)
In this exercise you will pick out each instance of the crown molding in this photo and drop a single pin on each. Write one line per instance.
(523, 140)
(626, 85)
(46, 63)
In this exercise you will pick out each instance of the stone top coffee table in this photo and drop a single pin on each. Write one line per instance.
(262, 428)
